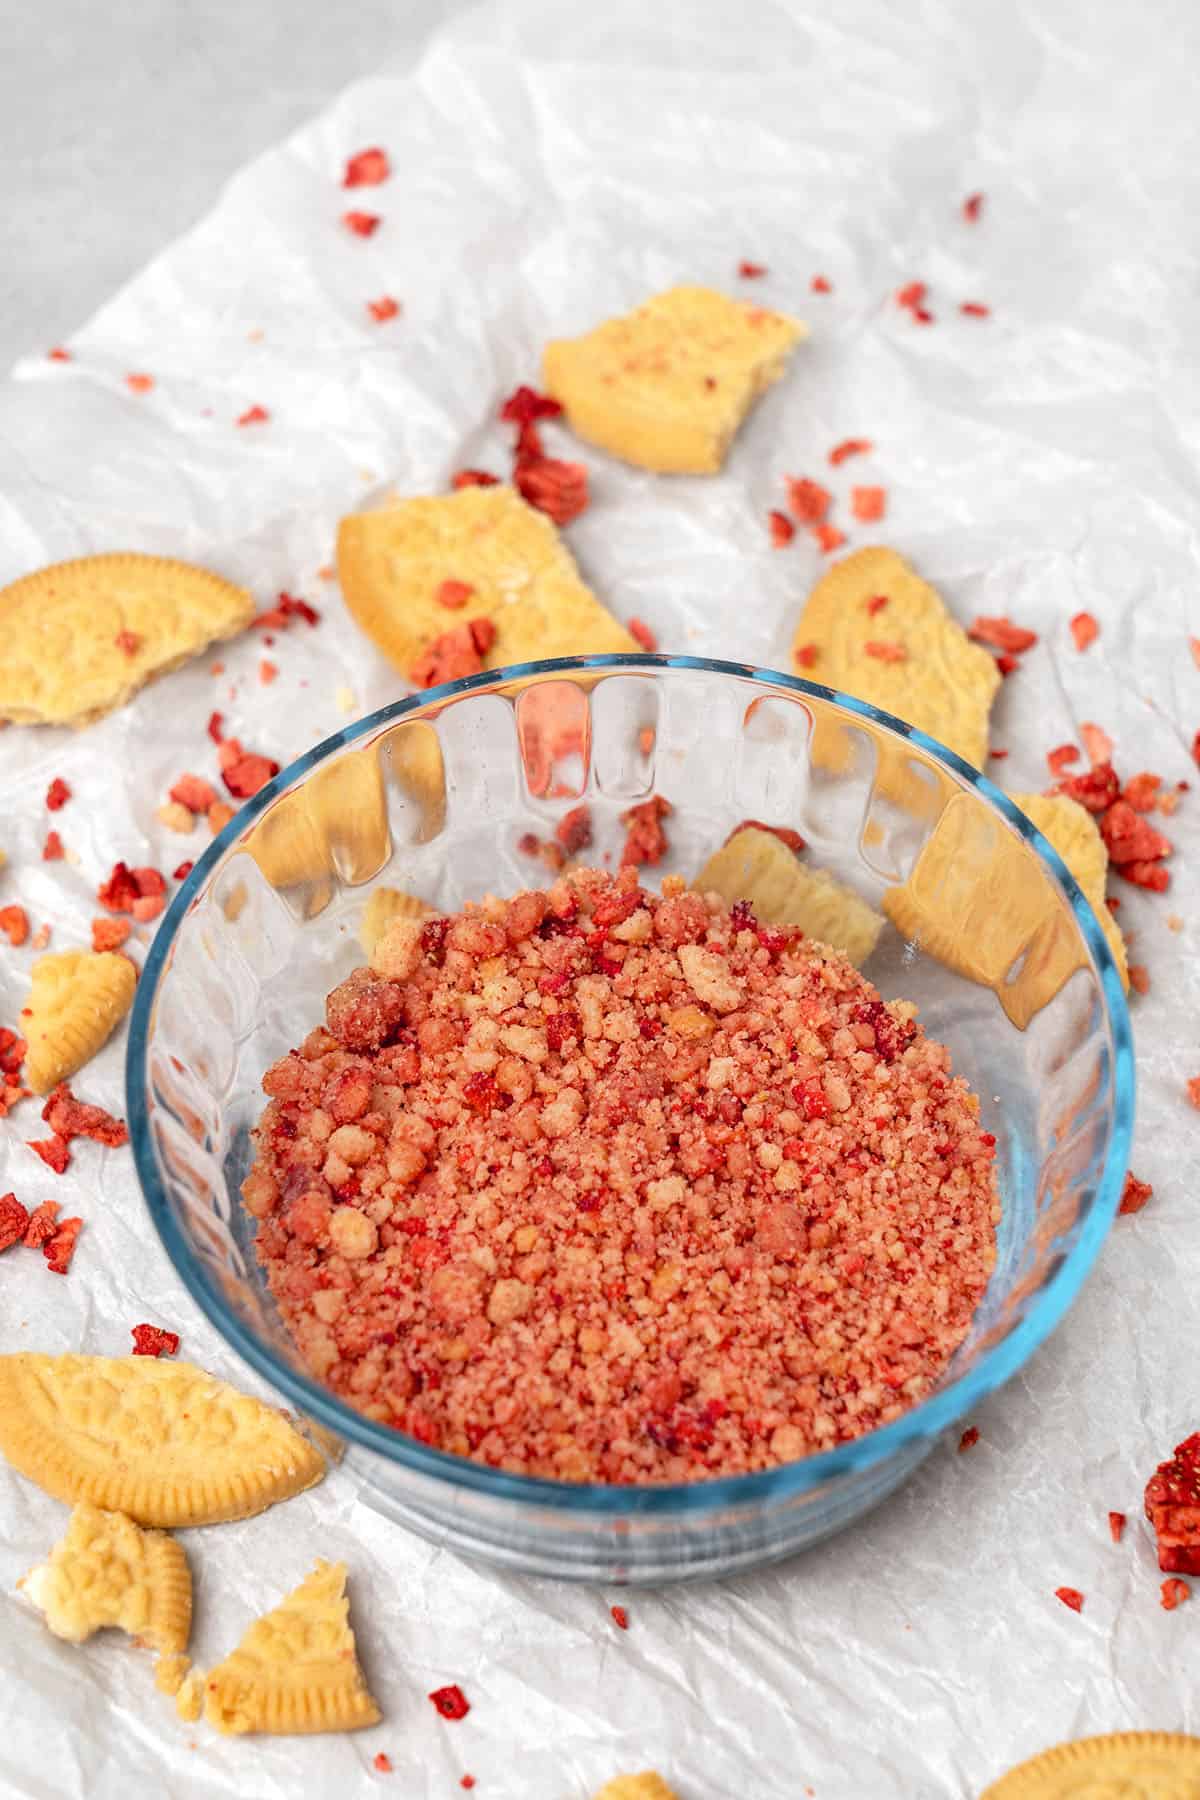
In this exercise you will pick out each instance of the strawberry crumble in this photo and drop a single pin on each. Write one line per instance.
(604, 1185)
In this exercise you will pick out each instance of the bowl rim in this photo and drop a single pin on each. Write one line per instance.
(788, 1481)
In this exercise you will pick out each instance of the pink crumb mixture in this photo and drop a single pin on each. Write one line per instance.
(601, 1185)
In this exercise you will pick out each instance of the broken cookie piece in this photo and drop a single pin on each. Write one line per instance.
(757, 867)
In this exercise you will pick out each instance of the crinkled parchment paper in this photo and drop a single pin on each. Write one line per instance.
(552, 165)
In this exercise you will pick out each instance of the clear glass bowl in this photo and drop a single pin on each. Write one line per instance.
(998, 947)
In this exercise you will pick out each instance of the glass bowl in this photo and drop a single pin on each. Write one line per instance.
(997, 946)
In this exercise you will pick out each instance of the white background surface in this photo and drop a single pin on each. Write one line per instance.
(553, 165)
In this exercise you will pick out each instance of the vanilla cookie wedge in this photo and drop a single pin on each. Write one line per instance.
(78, 638)
(1075, 835)
(757, 866)
(107, 1571)
(296, 1670)
(667, 386)
(77, 998)
(163, 1442)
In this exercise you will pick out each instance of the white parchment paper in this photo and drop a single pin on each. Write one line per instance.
(552, 165)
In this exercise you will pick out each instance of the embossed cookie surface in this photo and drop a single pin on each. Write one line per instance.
(394, 562)
(296, 1669)
(647, 1786)
(756, 866)
(80, 637)
(163, 1442)
(908, 657)
(108, 1571)
(667, 386)
(1128, 1765)
(385, 906)
(77, 998)
(1075, 835)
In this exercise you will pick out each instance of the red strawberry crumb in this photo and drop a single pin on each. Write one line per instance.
(808, 500)
(14, 1221)
(750, 271)
(59, 1249)
(524, 406)
(267, 672)
(1096, 742)
(1172, 1505)
(367, 169)
(183, 871)
(1141, 791)
(1095, 790)
(1139, 978)
(1061, 758)
(1070, 1597)
(219, 815)
(782, 529)
(644, 636)
(922, 315)
(216, 727)
(463, 478)
(969, 1438)
(42, 1224)
(820, 284)
(868, 503)
(850, 447)
(559, 489)
(128, 641)
(70, 1118)
(383, 1763)
(194, 792)
(620, 1618)
(829, 537)
(58, 354)
(805, 656)
(451, 1702)
(109, 934)
(1116, 1525)
(972, 206)
(975, 309)
(248, 774)
(383, 309)
(454, 655)
(1007, 665)
(1002, 634)
(14, 923)
(885, 652)
(150, 1340)
(57, 795)
(574, 830)
(52, 849)
(1135, 1194)
(645, 841)
(454, 594)
(1174, 1593)
(876, 604)
(139, 384)
(254, 415)
(362, 224)
(1084, 629)
(467, 1781)
(1130, 837)
(1193, 1091)
(997, 755)
(1150, 875)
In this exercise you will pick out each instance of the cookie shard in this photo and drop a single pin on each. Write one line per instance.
(646, 1786)
(943, 684)
(77, 998)
(1073, 832)
(163, 1442)
(977, 902)
(81, 637)
(393, 562)
(108, 1571)
(667, 386)
(296, 1670)
(755, 866)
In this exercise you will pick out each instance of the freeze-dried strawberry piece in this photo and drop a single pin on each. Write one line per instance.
(463, 478)
(1173, 1508)
(254, 415)
(885, 652)
(1174, 1592)
(1096, 790)
(70, 1118)
(58, 354)
(876, 604)
(14, 1221)
(1070, 1597)
(367, 168)
(454, 655)
(782, 529)
(151, 1340)
(42, 1224)
(12, 1051)
(1152, 875)
(1193, 1091)
(972, 206)
(645, 637)
(525, 405)
(1007, 664)
(646, 841)
(975, 309)
(119, 892)
(574, 829)
(912, 295)
(808, 500)
(850, 447)
(128, 641)
(559, 489)
(1062, 757)
(383, 309)
(1085, 629)
(1131, 838)
(59, 1249)
(183, 871)
(868, 503)
(1135, 1194)
(1001, 634)
(750, 271)
(969, 1438)
(52, 849)
(216, 727)
(57, 795)
(14, 923)
(1116, 1526)
(1141, 791)
(362, 224)
(821, 284)
(806, 656)
(193, 792)
(249, 774)
(1096, 742)
(139, 384)
(1139, 978)
(53, 1152)
(109, 934)
(829, 537)
(454, 594)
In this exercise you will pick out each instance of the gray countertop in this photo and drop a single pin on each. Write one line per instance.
(119, 124)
